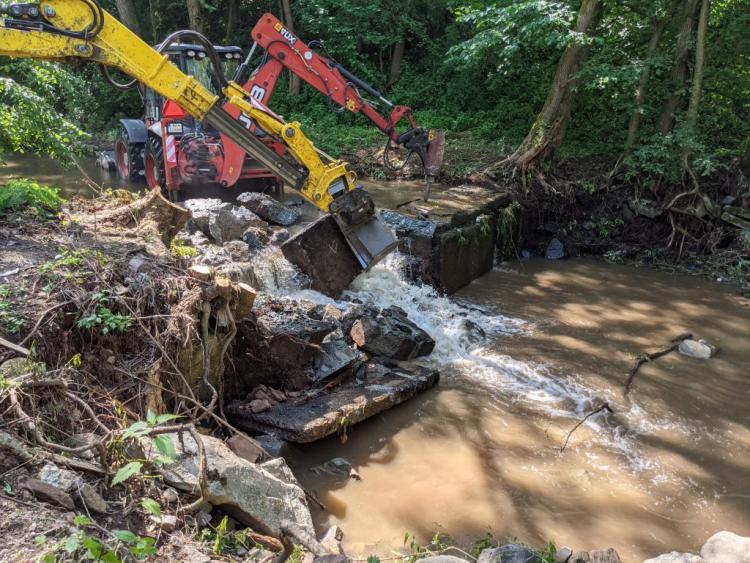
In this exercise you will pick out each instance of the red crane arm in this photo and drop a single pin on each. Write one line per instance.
(325, 75)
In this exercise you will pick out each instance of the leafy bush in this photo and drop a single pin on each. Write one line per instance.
(23, 194)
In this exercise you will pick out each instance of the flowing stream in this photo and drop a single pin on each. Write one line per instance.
(525, 353)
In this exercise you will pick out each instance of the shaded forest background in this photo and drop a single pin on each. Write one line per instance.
(662, 84)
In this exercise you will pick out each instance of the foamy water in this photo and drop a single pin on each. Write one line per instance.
(465, 334)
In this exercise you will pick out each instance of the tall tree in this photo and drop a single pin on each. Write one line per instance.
(232, 9)
(548, 131)
(691, 120)
(675, 100)
(659, 25)
(286, 7)
(195, 16)
(398, 55)
(129, 15)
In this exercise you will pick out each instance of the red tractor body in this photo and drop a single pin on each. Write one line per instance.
(171, 151)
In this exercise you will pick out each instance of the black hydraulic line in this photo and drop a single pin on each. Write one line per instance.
(294, 176)
(361, 84)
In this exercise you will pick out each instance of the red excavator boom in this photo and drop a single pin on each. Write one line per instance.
(341, 87)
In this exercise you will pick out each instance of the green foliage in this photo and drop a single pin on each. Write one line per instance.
(126, 472)
(80, 545)
(180, 250)
(73, 266)
(11, 321)
(151, 506)
(228, 542)
(20, 194)
(106, 320)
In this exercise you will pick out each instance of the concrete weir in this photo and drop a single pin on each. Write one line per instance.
(450, 239)
(329, 411)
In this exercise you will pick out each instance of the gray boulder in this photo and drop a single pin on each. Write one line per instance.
(274, 446)
(675, 557)
(392, 335)
(511, 553)
(57, 477)
(555, 250)
(268, 208)
(201, 210)
(230, 223)
(260, 496)
(335, 356)
(256, 238)
(726, 547)
(697, 349)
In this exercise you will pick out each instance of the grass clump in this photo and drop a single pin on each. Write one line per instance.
(22, 194)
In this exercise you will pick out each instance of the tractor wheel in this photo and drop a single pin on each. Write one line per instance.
(128, 157)
(154, 166)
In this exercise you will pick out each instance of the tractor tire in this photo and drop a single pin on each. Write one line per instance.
(128, 158)
(153, 159)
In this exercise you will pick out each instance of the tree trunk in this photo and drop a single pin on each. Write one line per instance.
(231, 19)
(640, 94)
(398, 55)
(129, 15)
(548, 130)
(675, 101)
(294, 83)
(195, 16)
(691, 121)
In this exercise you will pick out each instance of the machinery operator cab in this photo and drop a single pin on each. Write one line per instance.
(192, 60)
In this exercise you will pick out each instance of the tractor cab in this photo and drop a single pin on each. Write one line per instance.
(192, 60)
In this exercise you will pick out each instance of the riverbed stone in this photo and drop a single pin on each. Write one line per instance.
(510, 553)
(696, 349)
(726, 547)
(390, 334)
(230, 223)
(555, 250)
(563, 554)
(604, 556)
(676, 557)
(269, 209)
(273, 445)
(252, 495)
(320, 416)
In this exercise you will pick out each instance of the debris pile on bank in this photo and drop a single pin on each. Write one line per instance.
(135, 344)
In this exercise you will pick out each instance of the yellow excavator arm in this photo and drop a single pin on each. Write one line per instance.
(66, 30)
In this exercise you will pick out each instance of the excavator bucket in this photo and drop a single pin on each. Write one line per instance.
(433, 161)
(335, 249)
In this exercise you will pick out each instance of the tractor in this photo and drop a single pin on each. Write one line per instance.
(171, 151)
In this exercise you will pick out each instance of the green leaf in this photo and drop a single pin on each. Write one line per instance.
(125, 536)
(126, 472)
(144, 548)
(151, 506)
(162, 418)
(110, 557)
(40, 540)
(136, 430)
(94, 547)
(166, 447)
(151, 417)
(72, 544)
(81, 521)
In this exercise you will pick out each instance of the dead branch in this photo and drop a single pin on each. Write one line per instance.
(15, 347)
(604, 407)
(650, 356)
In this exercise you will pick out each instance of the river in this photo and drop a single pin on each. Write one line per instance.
(525, 353)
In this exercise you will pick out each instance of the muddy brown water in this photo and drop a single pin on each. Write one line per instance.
(481, 453)
(525, 353)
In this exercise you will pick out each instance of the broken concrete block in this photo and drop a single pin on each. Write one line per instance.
(321, 415)
(392, 335)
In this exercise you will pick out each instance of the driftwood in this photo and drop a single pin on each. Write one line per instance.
(604, 407)
(650, 356)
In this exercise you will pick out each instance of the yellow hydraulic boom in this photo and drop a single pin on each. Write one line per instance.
(81, 30)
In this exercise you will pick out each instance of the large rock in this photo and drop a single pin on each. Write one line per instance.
(49, 493)
(555, 250)
(61, 478)
(675, 557)
(605, 556)
(511, 553)
(726, 547)
(201, 210)
(335, 355)
(225, 224)
(391, 334)
(258, 496)
(268, 208)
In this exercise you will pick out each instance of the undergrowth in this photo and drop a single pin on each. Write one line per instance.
(22, 194)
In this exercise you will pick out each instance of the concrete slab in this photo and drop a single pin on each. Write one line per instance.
(321, 416)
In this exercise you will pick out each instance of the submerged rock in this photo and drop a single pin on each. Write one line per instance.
(338, 467)
(255, 496)
(273, 445)
(391, 334)
(268, 208)
(555, 250)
